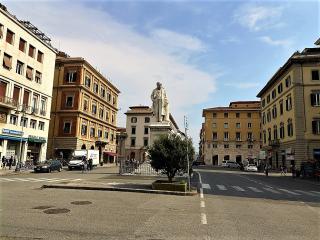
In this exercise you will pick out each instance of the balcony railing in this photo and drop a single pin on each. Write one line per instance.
(8, 102)
(274, 143)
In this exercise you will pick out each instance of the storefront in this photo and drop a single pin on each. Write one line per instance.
(11, 143)
(35, 145)
(109, 157)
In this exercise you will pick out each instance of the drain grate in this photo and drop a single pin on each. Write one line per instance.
(43, 207)
(81, 202)
(56, 210)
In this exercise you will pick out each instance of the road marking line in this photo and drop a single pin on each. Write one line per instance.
(203, 218)
(21, 179)
(316, 192)
(221, 187)
(201, 193)
(255, 189)
(238, 188)
(8, 179)
(307, 193)
(59, 180)
(206, 186)
(202, 204)
(271, 190)
(287, 191)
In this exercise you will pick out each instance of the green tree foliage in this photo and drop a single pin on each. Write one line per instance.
(168, 154)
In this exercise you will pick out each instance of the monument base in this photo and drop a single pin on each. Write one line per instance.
(158, 129)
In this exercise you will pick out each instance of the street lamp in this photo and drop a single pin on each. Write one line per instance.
(186, 133)
(23, 111)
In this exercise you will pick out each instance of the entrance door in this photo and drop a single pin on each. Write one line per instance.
(215, 160)
(238, 159)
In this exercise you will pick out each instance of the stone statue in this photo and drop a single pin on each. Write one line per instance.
(160, 104)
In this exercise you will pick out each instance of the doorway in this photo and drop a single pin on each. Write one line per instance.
(215, 160)
(238, 159)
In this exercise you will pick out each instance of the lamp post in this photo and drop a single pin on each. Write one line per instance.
(186, 133)
(23, 111)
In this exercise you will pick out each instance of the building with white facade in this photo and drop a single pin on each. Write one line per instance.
(26, 80)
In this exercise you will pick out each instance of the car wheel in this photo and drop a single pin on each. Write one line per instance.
(49, 170)
(69, 168)
(59, 169)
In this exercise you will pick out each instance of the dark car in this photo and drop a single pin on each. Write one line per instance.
(48, 166)
(198, 163)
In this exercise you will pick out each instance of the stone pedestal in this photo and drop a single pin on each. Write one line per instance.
(157, 129)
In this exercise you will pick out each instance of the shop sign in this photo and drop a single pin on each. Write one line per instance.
(36, 138)
(12, 132)
(3, 117)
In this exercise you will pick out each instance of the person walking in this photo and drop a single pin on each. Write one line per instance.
(4, 163)
(90, 164)
(10, 162)
(266, 169)
(84, 165)
(282, 171)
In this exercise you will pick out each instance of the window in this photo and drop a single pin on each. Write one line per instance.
(13, 119)
(22, 45)
(114, 100)
(101, 113)
(249, 115)
(237, 115)
(1, 30)
(214, 136)
(225, 125)
(238, 146)
(43, 106)
(274, 93)
(288, 81)
(238, 136)
(146, 119)
(133, 120)
(316, 126)
(112, 118)
(100, 133)
(67, 127)
(84, 129)
(280, 88)
(112, 137)
(133, 130)
(263, 103)
(214, 115)
(38, 77)
(102, 92)
(19, 68)
(263, 118)
(87, 81)
(34, 103)
(106, 134)
(7, 61)
(24, 122)
(264, 137)
(109, 96)
(288, 103)
(40, 56)
(95, 87)
(226, 145)
(146, 130)
(32, 51)
(85, 105)
(281, 130)
(71, 77)
(69, 101)
(275, 132)
(250, 146)
(238, 125)
(26, 98)
(269, 134)
(29, 73)
(92, 132)
(315, 99)
(249, 125)
(268, 98)
(250, 136)
(133, 142)
(214, 146)
(94, 108)
(290, 128)
(145, 142)
(315, 75)
(226, 115)
(16, 94)
(41, 126)
(281, 107)
(274, 111)
(10, 37)
(268, 116)
(214, 125)
(33, 124)
(226, 136)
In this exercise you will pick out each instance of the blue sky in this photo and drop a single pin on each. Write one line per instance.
(206, 53)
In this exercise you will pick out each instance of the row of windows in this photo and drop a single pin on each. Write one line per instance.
(227, 115)
(10, 38)
(226, 125)
(22, 69)
(26, 123)
(133, 142)
(237, 146)
(135, 120)
(274, 135)
(133, 130)
(266, 116)
(227, 138)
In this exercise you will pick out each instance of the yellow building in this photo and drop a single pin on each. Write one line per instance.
(290, 104)
(232, 133)
(84, 110)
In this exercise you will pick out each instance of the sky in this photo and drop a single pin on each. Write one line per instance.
(205, 53)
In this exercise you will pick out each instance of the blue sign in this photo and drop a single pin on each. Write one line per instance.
(12, 132)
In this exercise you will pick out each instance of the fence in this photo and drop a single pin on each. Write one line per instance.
(135, 168)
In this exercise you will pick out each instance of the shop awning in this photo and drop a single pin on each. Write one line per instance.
(36, 140)
(12, 138)
(110, 153)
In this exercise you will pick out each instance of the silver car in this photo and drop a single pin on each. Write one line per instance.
(232, 164)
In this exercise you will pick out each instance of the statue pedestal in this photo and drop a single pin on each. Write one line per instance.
(157, 129)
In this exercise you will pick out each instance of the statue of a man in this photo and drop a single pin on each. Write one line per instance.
(160, 104)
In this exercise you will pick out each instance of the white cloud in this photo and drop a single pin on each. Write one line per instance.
(133, 61)
(259, 17)
(242, 85)
(281, 43)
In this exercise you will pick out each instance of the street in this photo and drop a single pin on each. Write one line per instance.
(234, 205)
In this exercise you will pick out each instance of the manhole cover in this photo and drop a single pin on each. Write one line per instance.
(56, 210)
(43, 207)
(81, 202)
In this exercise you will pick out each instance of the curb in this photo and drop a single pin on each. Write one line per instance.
(15, 173)
(122, 190)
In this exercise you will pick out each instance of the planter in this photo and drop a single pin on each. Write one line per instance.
(167, 186)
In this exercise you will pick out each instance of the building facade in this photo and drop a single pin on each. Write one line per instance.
(26, 79)
(84, 110)
(232, 133)
(290, 106)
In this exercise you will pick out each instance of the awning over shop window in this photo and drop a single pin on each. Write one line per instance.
(13, 138)
(36, 140)
(110, 153)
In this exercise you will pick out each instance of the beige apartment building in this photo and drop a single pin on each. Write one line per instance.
(232, 133)
(290, 107)
(84, 110)
(26, 79)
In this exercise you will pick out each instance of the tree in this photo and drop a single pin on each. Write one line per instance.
(168, 154)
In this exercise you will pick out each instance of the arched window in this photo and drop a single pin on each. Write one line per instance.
(133, 120)
(146, 119)
(290, 128)
(275, 132)
(281, 130)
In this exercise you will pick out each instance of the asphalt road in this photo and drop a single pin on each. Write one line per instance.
(239, 208)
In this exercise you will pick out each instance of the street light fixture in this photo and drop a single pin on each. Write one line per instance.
(186, 133)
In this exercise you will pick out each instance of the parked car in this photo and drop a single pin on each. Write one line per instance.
(224, 163)
(48, 166)
(197, 163)
(232, 164)
(251, 168)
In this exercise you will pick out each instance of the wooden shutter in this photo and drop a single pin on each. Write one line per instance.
(1, 30)
(7, 61)
(66, 77)
(9, 37)
(26, 98)
(40, 56)
(22, 45)
(3, 88)
(16, 93)
(313, 99)
(31, 51)
(314, 127)
(74, 79)
(29, 73)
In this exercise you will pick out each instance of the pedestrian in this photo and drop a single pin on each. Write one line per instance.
(84, 165)
(266, 170)
(4, 163)
(282, 170)
(10, 162)
(293, 170)
(90, 164)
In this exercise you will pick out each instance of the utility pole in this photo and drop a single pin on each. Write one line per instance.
(186, 133)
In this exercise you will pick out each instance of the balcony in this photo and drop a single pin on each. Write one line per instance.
(7, 102)
(43, 112)
(274, 143)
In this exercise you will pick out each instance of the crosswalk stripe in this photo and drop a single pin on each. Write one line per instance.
(206, 186)
(271, 190)
(238, 188)
(307, 193)
(221, 187)
(7, 179)
(287, 191)
(21, 179)
(255, 189)
(37, 179)
(316, 192)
